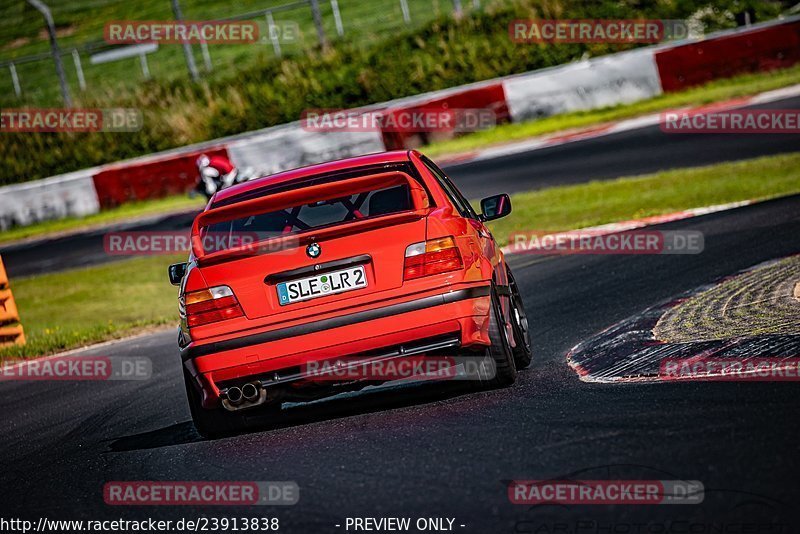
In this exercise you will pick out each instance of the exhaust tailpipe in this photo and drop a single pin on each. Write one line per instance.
(247, 396)
(235, 395)
(250, 392)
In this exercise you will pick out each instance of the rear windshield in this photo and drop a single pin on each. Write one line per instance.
(229, 234)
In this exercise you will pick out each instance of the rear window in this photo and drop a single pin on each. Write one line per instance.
(384, 201)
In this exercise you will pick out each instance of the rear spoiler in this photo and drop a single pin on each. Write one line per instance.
(308, 195)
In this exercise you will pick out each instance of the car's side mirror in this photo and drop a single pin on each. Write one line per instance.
(176, 273)
(495, 207)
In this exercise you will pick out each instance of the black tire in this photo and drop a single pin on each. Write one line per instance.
(519, 322)
(211, 424)
(505, 370)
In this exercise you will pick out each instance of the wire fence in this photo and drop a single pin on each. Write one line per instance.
(285, 30)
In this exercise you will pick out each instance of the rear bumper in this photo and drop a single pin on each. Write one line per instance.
(461, 314)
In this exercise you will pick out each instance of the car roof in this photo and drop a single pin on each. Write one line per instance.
(229, 195)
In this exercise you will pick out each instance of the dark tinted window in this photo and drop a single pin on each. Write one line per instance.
(307, 216)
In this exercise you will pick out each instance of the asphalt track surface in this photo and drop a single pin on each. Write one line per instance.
(628, 153)
(439, 450)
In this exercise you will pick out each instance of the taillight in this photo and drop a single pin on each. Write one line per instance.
(431, 257)
(211, 305)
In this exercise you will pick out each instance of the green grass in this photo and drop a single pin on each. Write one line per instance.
(82, 21)
(716, 91)
(65, 310)
(600, 202)
(74, 308)
(123, 213)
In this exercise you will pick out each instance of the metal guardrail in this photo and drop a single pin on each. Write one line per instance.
(100, 45)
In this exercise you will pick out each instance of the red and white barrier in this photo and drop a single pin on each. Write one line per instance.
(596, 83)
(290, 146)
(159, 177)
(760, 48)
(599, 82)
(486, 95)
(57, 197)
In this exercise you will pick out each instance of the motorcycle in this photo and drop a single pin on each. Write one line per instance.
(217, 173)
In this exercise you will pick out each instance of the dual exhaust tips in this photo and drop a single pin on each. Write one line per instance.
(250, 394)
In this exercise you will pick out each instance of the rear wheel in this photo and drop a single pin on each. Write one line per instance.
(502, 358)
(519, 323)
(215, 423)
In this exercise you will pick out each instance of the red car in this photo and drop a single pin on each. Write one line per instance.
(377, 257)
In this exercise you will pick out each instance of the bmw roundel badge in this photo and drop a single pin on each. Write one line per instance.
(313, 250)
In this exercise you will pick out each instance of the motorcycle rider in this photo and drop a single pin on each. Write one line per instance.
(216, 172)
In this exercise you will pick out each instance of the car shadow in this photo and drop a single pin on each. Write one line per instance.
(341, 406)
(177, 434)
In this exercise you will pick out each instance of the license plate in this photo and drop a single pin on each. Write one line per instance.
(321, 285)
